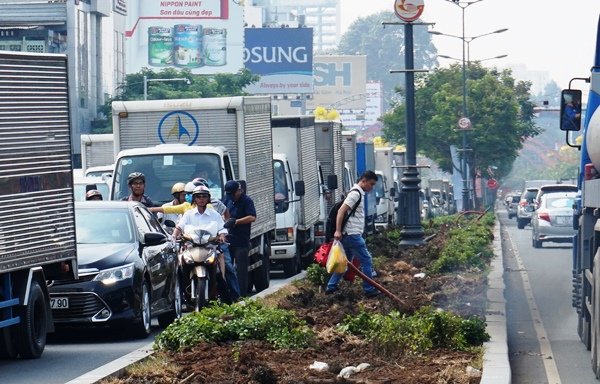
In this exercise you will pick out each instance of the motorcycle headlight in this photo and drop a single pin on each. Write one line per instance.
(111, 276)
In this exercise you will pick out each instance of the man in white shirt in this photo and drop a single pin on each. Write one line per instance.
(202, 215)
(351, 234)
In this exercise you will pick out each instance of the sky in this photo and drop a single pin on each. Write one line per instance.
(557, 36)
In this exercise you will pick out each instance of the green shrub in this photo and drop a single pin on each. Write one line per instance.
(317, 275)
(242, 321)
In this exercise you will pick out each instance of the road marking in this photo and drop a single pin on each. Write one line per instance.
(543, 340)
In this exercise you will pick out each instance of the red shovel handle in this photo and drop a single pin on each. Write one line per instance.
(376, 285)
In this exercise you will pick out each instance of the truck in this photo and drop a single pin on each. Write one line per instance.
(217, 139)
(330, 164)
(97, 150)
(349, 149)
(365, 161)
(586, 242)
(296, 192)
(384, 189)
(37, 239)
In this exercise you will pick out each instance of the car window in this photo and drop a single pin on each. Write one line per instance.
(150, 219)
(103, 226)
(515, 199)
(559, 202)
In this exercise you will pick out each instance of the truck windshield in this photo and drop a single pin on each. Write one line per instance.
(379, 187)
(164, 170)
(281, 187)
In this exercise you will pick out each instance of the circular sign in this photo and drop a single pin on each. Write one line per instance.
(464, 123)
(178, 127)
(492, 184)
(408, 10)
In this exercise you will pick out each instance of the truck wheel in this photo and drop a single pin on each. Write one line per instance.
(31, 331)
(141, 326)
(8, 349)
(175, 313)
(261, 276)
(292, 266)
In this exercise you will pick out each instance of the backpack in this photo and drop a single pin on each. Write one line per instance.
(331, 218)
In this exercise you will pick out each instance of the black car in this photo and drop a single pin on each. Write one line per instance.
(127, 270)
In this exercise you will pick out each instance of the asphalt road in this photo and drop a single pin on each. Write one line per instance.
(542, 325)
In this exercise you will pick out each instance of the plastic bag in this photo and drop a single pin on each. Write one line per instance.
(337, 261)
(322, 253)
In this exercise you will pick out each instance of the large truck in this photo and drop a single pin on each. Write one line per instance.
(349, 149)
(97, 150)
(586, 242)
(218, 139)
(37, 238)
(365, 161)
(384, 189)
(296, 192)
(330, 160)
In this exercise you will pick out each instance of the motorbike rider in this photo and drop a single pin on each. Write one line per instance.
(137, 184)
(178, 192)
(93, 194)
(200, 216)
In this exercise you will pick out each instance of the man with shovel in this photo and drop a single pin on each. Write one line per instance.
(351, 234)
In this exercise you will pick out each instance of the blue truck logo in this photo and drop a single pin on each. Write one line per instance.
(178, 127)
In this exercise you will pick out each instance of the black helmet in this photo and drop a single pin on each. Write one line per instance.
(135, 175)
(200, 181)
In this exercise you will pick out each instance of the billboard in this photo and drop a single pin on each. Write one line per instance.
(205, 36)
(339, 81)
(283, 58)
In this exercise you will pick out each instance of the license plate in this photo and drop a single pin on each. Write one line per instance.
(564, 220)
(59, 302)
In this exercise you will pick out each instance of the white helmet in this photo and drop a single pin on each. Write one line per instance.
(201, 190)
(189, 187)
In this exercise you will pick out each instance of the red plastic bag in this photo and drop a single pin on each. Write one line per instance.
(322, 253)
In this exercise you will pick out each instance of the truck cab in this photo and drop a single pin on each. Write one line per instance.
(381, 201)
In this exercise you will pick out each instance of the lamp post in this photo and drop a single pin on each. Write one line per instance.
(478, 61)
(147, 80)
(468, 39)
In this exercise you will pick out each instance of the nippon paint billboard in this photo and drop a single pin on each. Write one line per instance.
(339, 81)
(204, 36)
(282, 57)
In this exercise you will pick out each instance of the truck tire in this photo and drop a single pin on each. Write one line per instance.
(8, 350)
(141, 325)
(30, 333)
(262, 276)
(292, 266)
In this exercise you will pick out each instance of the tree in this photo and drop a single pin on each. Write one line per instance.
(218, 85)
(384, 48)
(498, 107)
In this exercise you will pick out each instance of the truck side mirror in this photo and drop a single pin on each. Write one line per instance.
(570, 110)
(299, 187)
(332, 182)
(392, 192)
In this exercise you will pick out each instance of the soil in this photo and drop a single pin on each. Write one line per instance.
(258, 362)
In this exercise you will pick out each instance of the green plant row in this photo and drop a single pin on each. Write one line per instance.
(241, 321)
(427, 329)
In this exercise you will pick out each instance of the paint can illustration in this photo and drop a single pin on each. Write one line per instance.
(215, 46)
(160, 46)
(187, 41)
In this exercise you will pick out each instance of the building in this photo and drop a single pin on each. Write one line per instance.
(321, 15)
(89, 32)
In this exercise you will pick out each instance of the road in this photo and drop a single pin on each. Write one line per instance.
(542, 326)
(69, 355)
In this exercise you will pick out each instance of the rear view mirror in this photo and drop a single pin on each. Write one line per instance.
(570, 110)
(299, 187)
(332, 182)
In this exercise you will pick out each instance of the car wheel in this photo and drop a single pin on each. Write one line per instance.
(520, 223)
(30, 335)
(175, 313)
(141, 326)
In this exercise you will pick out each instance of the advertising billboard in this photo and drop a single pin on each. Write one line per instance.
(339, 80)
(205, 36)
(282, 57)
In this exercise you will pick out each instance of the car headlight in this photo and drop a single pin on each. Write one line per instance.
(111, 276)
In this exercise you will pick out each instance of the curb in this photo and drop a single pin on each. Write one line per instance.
(496, 367)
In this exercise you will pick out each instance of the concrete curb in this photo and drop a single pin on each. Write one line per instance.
(496, 367)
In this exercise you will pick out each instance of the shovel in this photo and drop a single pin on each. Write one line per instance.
(375, 284)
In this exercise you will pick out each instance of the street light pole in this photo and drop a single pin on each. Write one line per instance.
(147, 80)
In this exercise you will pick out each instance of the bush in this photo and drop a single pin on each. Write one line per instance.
(317, 275)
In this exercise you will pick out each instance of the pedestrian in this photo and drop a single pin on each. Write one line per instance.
(241, 208)
(351, 235)
(137, 184)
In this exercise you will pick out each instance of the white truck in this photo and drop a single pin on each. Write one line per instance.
(384, 190)
(296, 192)
(349, 148)
(37, 237)
(218, 139)
(330, 158)
(97, 150)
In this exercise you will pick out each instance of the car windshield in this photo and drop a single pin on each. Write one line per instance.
(103, 226)
(379, 187)
(559, 202)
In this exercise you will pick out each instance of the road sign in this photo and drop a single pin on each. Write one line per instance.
(408, 10)
(492, 184)
(464, 123)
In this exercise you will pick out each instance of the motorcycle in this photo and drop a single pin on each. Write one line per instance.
(202, 262)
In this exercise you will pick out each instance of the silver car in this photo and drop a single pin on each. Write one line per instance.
(553, 220)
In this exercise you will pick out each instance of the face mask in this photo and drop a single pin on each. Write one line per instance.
(188, 198)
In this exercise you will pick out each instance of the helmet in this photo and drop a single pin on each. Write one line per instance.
(201, 190)
(200, 181)
(231, 186)
(189, 187)
(92, 193)
(135, 175)
(177, 187)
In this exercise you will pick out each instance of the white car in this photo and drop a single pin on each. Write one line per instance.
(552, 221)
